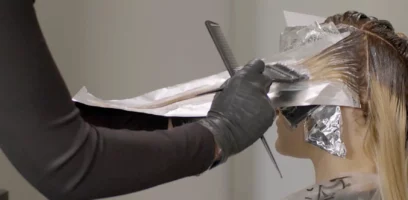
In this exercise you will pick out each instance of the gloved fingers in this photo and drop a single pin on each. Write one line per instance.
(267, 82)
(217, 94)
(254, 66)
(222, 87)
(260, 82)
(288, 80)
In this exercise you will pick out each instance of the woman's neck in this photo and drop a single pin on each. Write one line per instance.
(328, 166)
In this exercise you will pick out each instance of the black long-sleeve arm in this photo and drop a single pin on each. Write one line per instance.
(121, 119)
(55, 149)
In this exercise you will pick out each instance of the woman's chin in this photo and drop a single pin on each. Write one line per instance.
(286, 148)
(279, 147)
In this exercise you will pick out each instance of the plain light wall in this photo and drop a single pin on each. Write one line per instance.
(256, 29)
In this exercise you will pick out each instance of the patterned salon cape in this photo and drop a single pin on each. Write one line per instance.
(347, 187)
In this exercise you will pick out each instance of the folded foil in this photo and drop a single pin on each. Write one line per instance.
(293, 37)
(300, 19)
(184, 100)
(302, 42)
(322, 128)
(282, 95)
(313, 93)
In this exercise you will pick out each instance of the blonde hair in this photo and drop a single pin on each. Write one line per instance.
(372, 60)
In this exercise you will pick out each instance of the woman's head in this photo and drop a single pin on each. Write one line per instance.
(372, 61)
(291, 141)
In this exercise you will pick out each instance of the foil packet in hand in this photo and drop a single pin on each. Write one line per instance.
(187, 99)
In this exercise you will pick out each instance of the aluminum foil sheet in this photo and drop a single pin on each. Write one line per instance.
(293, 37)
(301, 42)
(322, 128)
(322, 122)
(184, 100)
(300, 19)
(282, 95)
(313, 93)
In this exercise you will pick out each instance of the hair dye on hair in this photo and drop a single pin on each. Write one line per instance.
(372, 61)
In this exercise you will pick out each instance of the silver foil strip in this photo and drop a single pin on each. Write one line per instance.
(322, 123)
(293, 37)
(282, 95)
(184, 100)
(312, 93)
(300, 43)
(322, 128)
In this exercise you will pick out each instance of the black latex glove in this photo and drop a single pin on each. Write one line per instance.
(242, 112)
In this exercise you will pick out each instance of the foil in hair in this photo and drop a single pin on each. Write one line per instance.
(322, 122)
(293, 37)
(307, 93)
(194, 98)
(322, 128)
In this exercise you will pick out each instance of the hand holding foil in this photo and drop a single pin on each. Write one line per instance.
(242, 112)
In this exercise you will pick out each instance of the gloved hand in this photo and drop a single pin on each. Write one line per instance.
(242, 112)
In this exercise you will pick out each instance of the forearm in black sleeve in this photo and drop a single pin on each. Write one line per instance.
(64, 157)
(121, 119)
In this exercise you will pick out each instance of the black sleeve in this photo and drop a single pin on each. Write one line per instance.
(63, 156)
(121, 119)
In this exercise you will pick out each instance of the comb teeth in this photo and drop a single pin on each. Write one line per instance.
(297, 114)
(286, 72)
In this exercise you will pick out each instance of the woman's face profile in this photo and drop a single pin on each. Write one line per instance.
(291, 141)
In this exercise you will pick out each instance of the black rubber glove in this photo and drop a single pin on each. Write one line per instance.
(241, 113)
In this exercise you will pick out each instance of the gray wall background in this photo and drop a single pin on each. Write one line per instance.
(124, 48)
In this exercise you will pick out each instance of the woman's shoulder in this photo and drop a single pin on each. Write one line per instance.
(350, 187)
